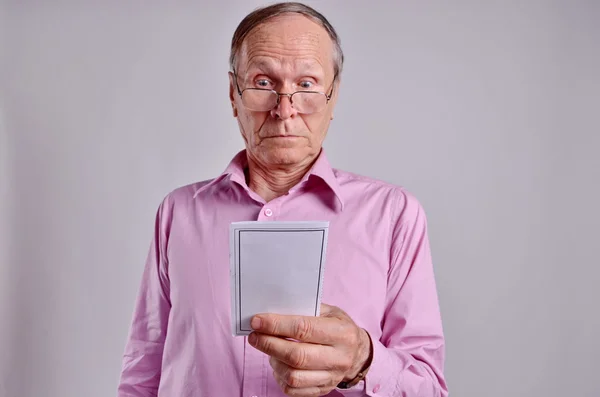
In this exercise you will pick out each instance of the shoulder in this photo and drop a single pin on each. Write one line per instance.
(403, 204)
(181, 198)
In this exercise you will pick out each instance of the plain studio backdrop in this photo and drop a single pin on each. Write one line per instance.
(488, 111)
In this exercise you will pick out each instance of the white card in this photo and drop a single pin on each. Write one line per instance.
(275, 267)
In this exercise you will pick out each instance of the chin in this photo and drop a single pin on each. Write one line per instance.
(285, 155)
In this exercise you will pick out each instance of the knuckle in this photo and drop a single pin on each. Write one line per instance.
(323, 390)
(346, 362)
(343, 362)
(297, 357)
(275, 325)
(264, 344)
(293, 379)
(347, 335)
(287, 389)
(303, 329)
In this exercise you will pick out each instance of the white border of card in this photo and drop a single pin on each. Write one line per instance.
(275, 267)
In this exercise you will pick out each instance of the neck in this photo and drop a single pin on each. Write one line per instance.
(272, 182)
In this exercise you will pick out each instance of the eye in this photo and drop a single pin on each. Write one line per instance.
(263, 83)
(305, 85)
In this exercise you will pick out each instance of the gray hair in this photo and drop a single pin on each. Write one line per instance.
(261, 15)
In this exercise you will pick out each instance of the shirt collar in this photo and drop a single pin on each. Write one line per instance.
(236, 173)
(322, 169)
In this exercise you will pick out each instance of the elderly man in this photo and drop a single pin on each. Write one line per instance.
(379, 334)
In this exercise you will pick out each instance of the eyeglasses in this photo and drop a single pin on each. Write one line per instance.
(262, 99)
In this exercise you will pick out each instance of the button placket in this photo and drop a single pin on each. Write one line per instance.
(271, 210)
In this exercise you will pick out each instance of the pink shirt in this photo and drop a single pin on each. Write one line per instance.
(378, 269)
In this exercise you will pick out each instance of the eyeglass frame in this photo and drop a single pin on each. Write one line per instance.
(280, 94)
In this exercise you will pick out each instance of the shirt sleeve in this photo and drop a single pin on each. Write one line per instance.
(408, 359)
(142, 359)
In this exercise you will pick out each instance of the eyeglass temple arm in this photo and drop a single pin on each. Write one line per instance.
(331, 90)
(236, 83)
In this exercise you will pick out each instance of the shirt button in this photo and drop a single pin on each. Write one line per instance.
(268, 212)
(376, 388)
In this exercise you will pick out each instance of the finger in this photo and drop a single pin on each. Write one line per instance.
(299, 378)
(321, 330)
(328, 310)
(313, 391)
(295, 354)
(333, 312)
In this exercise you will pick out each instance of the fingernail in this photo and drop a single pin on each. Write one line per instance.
(252, 338)
(255, 324)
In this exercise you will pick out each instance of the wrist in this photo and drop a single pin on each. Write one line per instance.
(364, 357)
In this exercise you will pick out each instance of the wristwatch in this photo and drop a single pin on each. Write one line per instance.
(362, 374)
(346, 385)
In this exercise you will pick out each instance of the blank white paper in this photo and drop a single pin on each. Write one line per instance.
(276, 267)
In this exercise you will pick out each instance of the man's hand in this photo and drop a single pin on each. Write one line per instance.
(326, 350)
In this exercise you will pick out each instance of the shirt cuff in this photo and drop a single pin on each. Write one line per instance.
(358, 390)
(385, 374)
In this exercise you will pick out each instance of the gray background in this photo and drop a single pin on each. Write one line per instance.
(486, 110)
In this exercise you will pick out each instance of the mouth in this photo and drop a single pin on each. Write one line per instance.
(283, 137)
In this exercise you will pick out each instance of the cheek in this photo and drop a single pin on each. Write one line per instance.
(251, 122)
(317, 126)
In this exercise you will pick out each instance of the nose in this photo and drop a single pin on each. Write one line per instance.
(284, 109)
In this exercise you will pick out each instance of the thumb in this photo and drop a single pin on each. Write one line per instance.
(331, 311)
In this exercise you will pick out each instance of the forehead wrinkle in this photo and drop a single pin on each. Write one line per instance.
(271, 55)
(302, 64)
(284, 38)
(278, 47)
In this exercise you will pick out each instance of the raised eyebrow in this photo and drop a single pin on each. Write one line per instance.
(303, 66)
(310, 68)
(262, 65)
(267, 67)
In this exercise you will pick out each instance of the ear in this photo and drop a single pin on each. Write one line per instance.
(232, 93)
